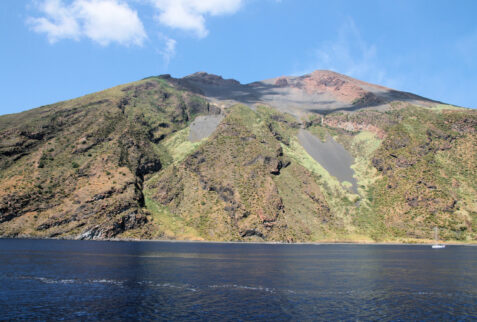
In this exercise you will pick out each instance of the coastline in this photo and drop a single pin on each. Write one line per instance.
(318, 243)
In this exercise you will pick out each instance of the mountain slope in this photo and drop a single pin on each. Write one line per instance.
(319, 92)
(79, 166)
(321, 157)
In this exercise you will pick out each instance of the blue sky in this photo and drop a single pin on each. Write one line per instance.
(53, 50)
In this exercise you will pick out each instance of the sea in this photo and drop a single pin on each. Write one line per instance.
(129, 281)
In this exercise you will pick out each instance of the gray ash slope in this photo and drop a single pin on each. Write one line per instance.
(320, 92)
(206, 158)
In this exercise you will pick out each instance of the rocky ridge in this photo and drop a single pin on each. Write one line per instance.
(130, 162)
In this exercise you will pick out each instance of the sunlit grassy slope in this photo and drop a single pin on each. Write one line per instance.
(119, 164)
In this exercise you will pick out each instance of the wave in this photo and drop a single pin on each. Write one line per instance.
(244, 287)
(106, 281)
(168, 285)
(54, 281)
(48, 280)
(150, 283)
(239, 287)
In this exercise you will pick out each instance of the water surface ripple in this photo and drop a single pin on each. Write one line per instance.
(85, 280)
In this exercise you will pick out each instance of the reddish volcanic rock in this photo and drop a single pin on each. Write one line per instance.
(344, 88)
(282, 82)
(319, 92)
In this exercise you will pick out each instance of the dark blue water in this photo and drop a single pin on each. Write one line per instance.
(85, 280)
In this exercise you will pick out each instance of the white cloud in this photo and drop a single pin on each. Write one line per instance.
(114, 21)
(189, 15)
(60, 22)
(102, 21)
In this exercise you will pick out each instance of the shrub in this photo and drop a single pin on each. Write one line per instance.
(42, 161)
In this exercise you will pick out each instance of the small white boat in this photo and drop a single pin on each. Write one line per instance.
(436, 245)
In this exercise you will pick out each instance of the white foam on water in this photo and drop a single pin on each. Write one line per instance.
(107, 281)
(244, 287)
(183, 287)
(47, 280)
(54, 281)
(168, 285)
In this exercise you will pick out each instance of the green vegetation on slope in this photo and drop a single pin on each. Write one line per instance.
(119, 163)
(76, 169)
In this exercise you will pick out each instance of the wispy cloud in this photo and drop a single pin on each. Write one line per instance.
(467, 47)
(168, 50)
(349, 53)
(102, 21)
(189, 15)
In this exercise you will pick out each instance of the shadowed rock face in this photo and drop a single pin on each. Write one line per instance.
(331, 155)
(119, 163)
(321, 92)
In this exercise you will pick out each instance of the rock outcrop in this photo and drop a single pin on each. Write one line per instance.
(207, 158)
